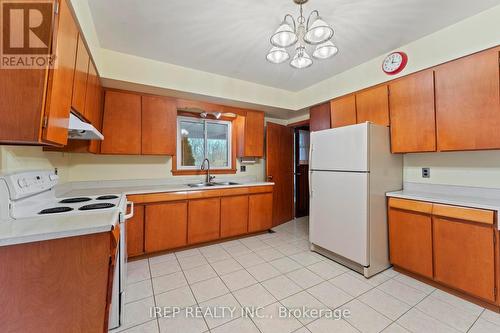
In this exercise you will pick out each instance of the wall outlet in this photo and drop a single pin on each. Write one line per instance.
(426, 172)
(243, 168)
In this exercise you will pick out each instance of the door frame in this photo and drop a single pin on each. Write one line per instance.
(296, 126)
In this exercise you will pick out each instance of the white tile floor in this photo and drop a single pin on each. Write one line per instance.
(273, 270)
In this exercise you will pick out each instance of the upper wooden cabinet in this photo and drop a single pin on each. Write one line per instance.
(250, 134)
(60, 89)
(319, 117)
(159, 124)
(468, 102)
(343, 111)
(94, 105)
(121, 124)
(80, 79)
(372, 105)
(413, 122)
(410, 236)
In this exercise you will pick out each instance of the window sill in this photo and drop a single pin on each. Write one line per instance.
(203, 172)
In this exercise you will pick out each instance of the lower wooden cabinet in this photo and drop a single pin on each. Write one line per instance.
(165, 226)
(260, 212)
(233, 216)
(135, 232)
(410, 236)
(451, 245)
(464, 256)
(203, 220)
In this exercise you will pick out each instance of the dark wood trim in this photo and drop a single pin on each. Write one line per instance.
(299, 123)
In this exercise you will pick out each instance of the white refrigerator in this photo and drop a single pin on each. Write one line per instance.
(351, 169)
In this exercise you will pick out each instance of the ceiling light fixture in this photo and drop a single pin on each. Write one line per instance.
(302, 32)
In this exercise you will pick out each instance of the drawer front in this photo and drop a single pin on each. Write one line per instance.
(411, 205)
(464, 213)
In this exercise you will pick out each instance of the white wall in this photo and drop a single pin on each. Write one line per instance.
(475, 168)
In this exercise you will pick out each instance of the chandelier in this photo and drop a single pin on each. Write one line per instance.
(301, 33)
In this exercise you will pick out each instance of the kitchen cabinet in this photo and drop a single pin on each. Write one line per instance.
(260, 212)
(468, 102)
(250, 134)
(36, 103)
(412, 112)
(203, 220)
(343, 111)
(71, 276)
(94, 105)
(410, 236)
(57, 108)
(121, 125)
(135, 232)
(80, 78)
(233, 216)
(159, 125)
(372, 105)
(166, 226)
(319, 117)
(464, 250)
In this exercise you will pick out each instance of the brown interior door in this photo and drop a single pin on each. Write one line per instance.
(279, 169)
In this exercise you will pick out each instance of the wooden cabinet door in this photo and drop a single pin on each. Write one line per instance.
(464, 256)
(60, 86)
(410, 237)
(166, 226)
(373, 105)
(233, 216)
(343, 111)
(260, 212)
(468, 103)
(94, 105)
(413, 122)
(121, 124)
(80, 79)
(319, 117)
(159, 125)
(203, 220)
(254, 134)
(135, 232)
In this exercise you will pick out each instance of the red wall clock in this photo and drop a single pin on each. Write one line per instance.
(394, 63)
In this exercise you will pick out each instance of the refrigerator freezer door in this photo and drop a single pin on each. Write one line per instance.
(339, 213)
(344, 148)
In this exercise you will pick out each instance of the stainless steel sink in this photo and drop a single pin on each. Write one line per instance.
(204, 184)
(201, 184)
(226, 183)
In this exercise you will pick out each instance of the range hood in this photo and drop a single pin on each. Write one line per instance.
(81, 130)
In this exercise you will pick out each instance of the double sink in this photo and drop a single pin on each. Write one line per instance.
(205, 184)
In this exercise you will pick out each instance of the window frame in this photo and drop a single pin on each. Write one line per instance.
(179, 167)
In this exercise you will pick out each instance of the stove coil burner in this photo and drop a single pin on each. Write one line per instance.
(75, 200)
(55, 210)
(107, 197)
(97, 206)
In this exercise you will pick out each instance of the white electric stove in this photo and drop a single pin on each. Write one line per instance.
(31, 194)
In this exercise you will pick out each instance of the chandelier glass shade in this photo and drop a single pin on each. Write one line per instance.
(301, 32)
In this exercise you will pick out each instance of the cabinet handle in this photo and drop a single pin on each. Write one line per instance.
(131, 214)
(269, 177)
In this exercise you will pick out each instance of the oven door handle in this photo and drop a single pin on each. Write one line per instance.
(131, 214)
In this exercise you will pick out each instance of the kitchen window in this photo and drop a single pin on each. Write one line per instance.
(198, 139)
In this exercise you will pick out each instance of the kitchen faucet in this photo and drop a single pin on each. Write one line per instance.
(209, 178)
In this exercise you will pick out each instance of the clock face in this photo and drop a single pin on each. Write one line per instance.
(394, 63)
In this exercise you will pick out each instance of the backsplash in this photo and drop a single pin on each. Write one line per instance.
(90, 167)
(474, 168)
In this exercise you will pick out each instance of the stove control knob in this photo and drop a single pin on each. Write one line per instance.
(22, 182)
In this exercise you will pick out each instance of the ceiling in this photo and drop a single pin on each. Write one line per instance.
(231, 38)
